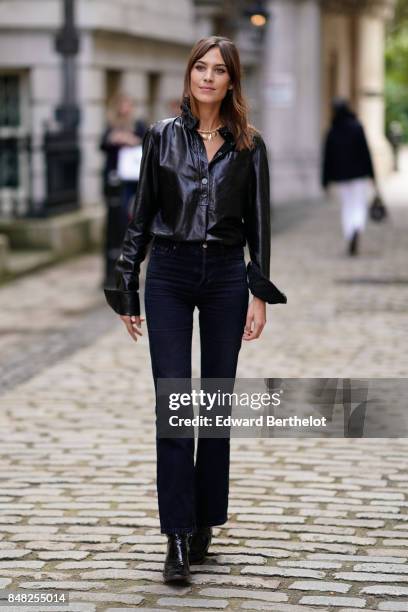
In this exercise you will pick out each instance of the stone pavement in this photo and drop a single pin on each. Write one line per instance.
(314, 524)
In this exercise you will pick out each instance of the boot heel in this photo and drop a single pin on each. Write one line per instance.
(199, 544)
(177, 566)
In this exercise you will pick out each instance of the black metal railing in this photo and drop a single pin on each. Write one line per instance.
(62, 159)
(59, 155)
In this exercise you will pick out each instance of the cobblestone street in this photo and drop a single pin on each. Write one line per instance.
(314, 523)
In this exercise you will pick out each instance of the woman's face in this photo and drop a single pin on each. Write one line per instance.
(209, 79)
(125, 107)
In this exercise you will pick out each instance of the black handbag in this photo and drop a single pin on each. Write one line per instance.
(378, 211)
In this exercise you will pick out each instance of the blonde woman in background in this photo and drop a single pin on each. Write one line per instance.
(122, 130)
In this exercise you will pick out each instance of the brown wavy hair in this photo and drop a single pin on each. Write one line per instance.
(234, 107)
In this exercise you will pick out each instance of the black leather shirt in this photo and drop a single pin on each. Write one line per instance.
(183, 197)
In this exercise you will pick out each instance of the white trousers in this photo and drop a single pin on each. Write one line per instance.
(354, 197)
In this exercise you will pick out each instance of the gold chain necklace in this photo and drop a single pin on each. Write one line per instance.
(209, 134)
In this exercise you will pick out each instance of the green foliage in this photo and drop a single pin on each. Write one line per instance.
(396, 62)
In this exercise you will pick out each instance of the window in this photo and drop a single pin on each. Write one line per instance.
(9, 119)
(9, 101)
(14, 146)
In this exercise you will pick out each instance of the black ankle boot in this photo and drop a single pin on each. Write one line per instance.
(176, 565)
(199, 543)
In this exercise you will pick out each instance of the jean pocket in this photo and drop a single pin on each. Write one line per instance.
(161, 249)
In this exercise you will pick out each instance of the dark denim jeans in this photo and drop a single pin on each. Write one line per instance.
(179, 277)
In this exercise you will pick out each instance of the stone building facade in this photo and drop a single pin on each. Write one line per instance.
(138, 46)
(308, 51)
(313, 51)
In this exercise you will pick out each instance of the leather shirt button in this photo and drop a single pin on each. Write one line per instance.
(204, 181)
(204, 245)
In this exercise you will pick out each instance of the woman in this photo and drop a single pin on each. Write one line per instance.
(122, 131)
(203, 191)
(347, 163)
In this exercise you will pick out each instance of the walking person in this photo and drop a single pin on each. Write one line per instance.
(203, 193)
(122, 131)
(348, 164)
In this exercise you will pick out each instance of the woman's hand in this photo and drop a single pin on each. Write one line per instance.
(256, 319)
(121, 137)
(133, 325)
(117, 137)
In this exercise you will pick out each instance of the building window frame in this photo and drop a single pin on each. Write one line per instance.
(15, 144)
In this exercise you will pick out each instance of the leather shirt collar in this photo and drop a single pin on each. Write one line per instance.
(190, 121)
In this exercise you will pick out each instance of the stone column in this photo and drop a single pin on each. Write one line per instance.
(370, 86)
(291, 98)
(91, 98)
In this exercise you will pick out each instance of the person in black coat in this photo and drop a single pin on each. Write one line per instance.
(347, 162)
(121, 130)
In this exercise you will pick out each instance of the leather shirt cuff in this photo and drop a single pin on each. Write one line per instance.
(123, 302)
(261, 287)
